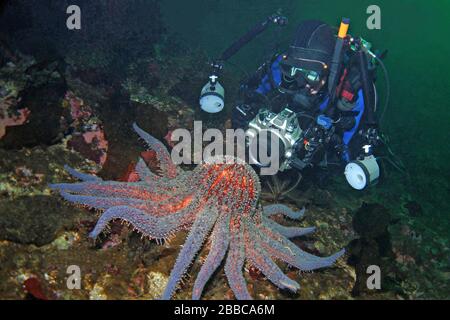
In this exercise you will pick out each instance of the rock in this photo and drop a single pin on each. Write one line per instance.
(35, 220)
(157, 282)
(65, 240)
(319, 246)
(371, 220)
(44, 104)
(188, 87)
(98, 293)
(414, 208)
(322, 198)
(118, 118)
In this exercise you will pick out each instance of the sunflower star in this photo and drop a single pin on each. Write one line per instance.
(219, 200)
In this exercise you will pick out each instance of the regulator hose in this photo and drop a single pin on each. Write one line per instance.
(388, 87)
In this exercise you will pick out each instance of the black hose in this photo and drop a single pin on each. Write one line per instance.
(304, 115)
(388, 88)
(394, 164)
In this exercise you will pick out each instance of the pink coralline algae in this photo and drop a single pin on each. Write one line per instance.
(218, 200)
(9, 119)
(88, 139)
(78, 110)
(96, 137)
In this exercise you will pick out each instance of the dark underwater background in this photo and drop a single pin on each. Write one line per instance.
(146, 60)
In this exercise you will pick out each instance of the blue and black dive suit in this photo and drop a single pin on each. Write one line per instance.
(311, 50)
(352, 116)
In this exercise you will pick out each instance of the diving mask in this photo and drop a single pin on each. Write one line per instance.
(309, 75)
(302, 77)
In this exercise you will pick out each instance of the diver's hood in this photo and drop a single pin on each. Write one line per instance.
(312, 47)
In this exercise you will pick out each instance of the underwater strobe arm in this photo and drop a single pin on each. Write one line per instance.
(253, 33)
(212, 96)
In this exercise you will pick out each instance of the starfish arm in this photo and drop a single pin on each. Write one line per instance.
(235, 263)
(261, 260)
(219, 246)
(288, 232)
(272, 246)
(199, 231)
(158, 228)
(81, 176)
(163, 156)
(102, 202)
(107, 189)
(284, 210)
(145, 173)
(280, 247)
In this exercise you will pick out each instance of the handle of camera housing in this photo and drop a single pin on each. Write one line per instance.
(242, 114)
(317, 137)
(299, 164)
(307, 159)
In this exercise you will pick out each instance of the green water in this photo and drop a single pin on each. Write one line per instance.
(416, 35)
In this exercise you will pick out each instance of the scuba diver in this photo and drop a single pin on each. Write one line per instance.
(318, 98)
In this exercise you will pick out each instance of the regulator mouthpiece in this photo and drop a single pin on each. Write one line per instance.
(212, 96)
(362, 173)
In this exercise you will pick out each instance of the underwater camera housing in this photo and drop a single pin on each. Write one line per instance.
(283, 126)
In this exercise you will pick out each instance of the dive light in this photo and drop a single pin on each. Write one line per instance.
(212, 96)
(364, 172)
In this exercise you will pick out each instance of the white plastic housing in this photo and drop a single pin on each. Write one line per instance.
(212, 98)
(360, 174)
